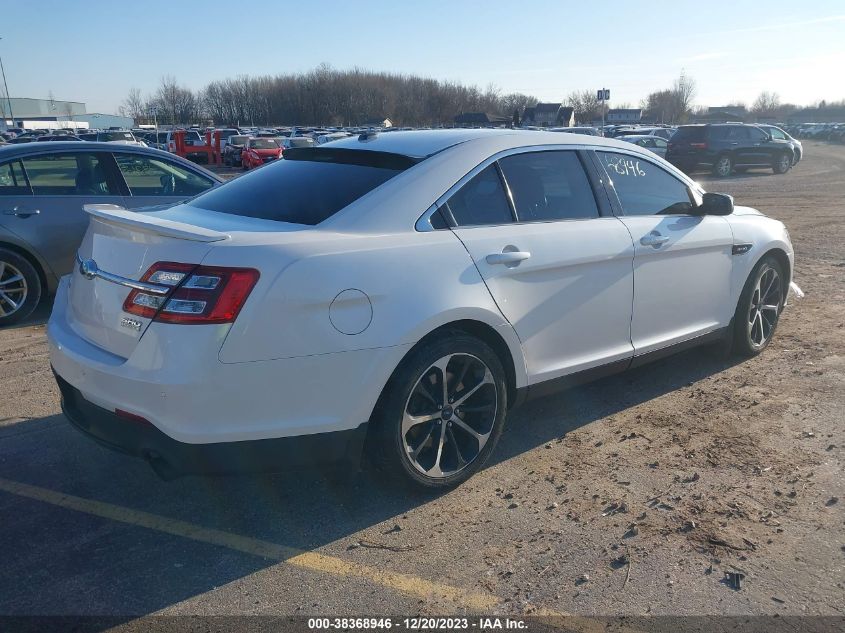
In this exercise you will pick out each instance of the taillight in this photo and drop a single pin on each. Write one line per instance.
(198, 294)
(698, 145)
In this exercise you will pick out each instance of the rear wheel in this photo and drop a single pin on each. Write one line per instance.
(20, 287)
(759, 307)
(723, 166)
(441, 414)
(782, 164)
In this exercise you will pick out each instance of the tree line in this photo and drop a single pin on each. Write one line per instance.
(326, 96)
(323, 96)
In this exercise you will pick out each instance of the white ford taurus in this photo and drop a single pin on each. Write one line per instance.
(398, 293)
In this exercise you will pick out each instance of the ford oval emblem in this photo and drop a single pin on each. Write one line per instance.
(88, 268)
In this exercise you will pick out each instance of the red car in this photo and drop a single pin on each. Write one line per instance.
(258, 151)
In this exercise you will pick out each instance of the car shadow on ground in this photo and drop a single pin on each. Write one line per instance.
(736, 175)
(39, 316)
(78, 563)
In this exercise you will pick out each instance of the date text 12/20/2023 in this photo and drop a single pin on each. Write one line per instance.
(418, 624)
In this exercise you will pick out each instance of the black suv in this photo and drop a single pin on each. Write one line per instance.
(725, 147)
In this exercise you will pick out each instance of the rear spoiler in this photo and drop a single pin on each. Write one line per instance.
(149, 223)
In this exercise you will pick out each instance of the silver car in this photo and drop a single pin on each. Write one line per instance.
(42, 189)
(654, 144)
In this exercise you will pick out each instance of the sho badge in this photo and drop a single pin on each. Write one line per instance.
(132, 324)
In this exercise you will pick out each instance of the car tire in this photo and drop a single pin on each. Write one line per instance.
(759, 307)
(20, 287)
(782, 164)
(723, 166)
(448, 443)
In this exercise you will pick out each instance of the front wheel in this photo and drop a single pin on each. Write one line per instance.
(782, 164)
(759, 307)
(723, 167)
(441, 414)
(20, 287)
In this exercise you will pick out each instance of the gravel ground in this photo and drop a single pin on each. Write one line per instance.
(630, 496)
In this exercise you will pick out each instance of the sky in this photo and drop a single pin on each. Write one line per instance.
(95, 51)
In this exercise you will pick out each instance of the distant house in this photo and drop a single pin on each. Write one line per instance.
(624, 115)
(384, 123)
(481, 119)
(548, 115)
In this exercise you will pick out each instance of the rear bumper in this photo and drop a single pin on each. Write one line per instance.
(175, 379)
(171, 458)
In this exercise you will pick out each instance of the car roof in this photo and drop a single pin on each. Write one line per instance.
(424, 143)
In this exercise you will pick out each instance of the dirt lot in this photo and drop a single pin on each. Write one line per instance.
(630, 496)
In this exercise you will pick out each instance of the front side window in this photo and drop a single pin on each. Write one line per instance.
(146, 176)
(12, 180)
(481, 201)
(757, 135)
(549, 186)
(78, 174)
(644, 188)
(776, 133)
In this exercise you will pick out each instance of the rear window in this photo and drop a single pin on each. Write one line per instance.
(116, 136)
(300, 141)
(308, 186)
(689, 133)
(263, 143)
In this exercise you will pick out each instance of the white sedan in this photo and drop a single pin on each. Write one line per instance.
(398, 294)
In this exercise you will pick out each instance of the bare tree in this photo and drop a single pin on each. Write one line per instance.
(767, 103)
(133, 105)
(585, 105)
(684, 92)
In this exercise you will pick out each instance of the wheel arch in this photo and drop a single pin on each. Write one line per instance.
(515, 374)
(40, 268)
(783, 259)
(488, 334)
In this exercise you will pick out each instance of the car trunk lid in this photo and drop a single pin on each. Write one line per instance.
(118, 248)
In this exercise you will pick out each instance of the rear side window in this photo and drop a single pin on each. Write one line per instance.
(481, 201)
(736, 133)
(79, 174)
(307, 186)
(147, 176)
(12, 180)
(644, 188)
(689, 133)
(549, 186)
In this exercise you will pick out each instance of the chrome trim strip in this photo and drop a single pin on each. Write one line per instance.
(88, 269)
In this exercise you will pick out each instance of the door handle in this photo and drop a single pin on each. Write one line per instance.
(21, 213)
(507, 258)
(654, 239)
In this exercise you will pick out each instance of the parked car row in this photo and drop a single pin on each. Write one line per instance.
(834, 132)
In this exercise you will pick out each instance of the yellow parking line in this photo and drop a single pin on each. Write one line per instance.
(475, 601)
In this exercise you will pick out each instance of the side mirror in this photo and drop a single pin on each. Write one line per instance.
(716, 204)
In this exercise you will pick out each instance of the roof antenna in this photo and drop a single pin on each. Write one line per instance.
(368, 135)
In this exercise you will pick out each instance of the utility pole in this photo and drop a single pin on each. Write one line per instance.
(6, 87)
(604, 96)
